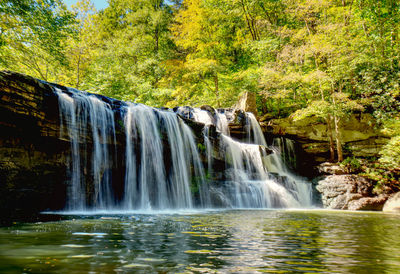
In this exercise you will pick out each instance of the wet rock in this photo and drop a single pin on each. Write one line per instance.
(338, 191)
(393, 203)
(208, 108)
(230, 113)
(185, 112)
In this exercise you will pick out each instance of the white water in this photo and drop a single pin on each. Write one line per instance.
(67, 109)
(254, 132)
(202, 116)
(84, 112)
(252, 175)
(155, 184)
(222, 124)
(163, 169)
(287, 150)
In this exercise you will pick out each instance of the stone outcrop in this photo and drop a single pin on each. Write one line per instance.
(393, 203)
(32, 156)
(368, 203)
(247, 103)
(328, 168)
(349, 192)
(360, 135)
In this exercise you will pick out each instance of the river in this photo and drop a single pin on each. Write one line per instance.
(278, 241)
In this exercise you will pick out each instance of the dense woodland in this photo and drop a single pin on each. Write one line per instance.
(327, 58)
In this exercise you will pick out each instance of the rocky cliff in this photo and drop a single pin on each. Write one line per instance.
(32, 156)
(360, 134)
(35, 151)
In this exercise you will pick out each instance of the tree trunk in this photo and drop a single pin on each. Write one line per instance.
(338, 139)
(331, 143)
(156, 38)
(78, 69)
(248, 20)
(217, 89)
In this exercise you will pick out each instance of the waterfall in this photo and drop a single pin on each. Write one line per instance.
(126, 156)
(254, 132)
(249, 185)
(222, 124)
(67, 113)
(286, 148)
(158, 183)
(255, 178)
(80, 112)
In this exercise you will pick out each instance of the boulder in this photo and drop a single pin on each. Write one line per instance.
(368, 203)
(208, 108)
(338, 191)
(328, 168)
(393, 203)
(247, 103)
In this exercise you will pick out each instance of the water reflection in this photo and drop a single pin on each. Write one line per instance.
(231, 241)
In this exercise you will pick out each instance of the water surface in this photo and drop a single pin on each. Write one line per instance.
(221, 241)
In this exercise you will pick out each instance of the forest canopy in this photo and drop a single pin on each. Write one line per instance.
(326, 58)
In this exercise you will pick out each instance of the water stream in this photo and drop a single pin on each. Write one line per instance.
(240, 241)
(165, 167)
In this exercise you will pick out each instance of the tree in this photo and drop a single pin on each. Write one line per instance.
(132, 42)
(211, 36)
(33, 35)
(81, 48)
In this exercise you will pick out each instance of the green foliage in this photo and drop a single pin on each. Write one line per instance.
(352, 164)
(391, 154)
(385, 179)
(201, 147)
(33, 36)
(323, 58)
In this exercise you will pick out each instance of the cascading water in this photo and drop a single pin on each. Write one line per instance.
(287, 150)
(161, 160)
(67, 110)
(151, 182)
(249, 185)
(254, 132)
(79, 112)
(255, 178)
(222, 123)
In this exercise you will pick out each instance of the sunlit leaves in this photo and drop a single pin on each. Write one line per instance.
(33, 35)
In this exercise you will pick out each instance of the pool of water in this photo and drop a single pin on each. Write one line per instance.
(220, 241)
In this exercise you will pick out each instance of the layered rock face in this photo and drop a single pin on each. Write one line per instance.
(32, 156)
(66, 149)
(360, 135)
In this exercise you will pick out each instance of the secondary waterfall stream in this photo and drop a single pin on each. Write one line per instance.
(164, 164)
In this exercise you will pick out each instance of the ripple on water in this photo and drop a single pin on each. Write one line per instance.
(230, 241)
